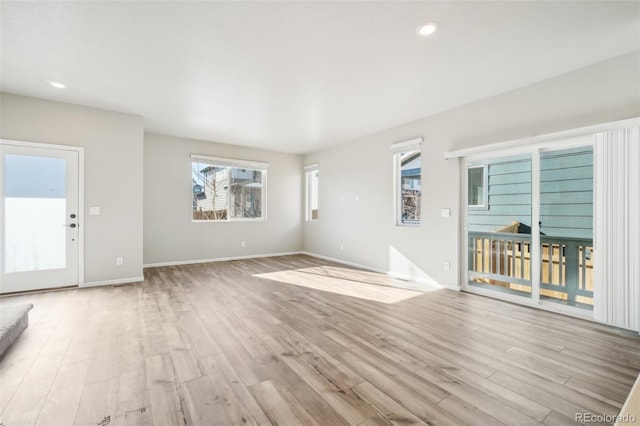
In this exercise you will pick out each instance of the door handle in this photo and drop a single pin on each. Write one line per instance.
(71, 225)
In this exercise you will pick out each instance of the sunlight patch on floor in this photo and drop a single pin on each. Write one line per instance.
(401, 265)
(347, 282)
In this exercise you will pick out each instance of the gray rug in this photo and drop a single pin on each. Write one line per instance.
(14, 319)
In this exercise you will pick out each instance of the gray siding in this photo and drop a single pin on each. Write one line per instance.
(566, 193)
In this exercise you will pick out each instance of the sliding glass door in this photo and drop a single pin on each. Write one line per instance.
(566, 226)
(499, 224)
(529, 223)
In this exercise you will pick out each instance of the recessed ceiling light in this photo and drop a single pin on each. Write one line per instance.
(57, 85)
(427, 28)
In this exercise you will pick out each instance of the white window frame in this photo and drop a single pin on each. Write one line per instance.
(232, 163)
(396, 150)
(308, 170)
(485, 187)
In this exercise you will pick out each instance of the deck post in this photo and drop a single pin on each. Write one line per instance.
(571, 271)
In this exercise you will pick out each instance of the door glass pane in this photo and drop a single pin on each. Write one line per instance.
(34, 212)
(500, 233)
(566, 226)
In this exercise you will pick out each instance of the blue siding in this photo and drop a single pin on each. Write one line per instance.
(411, 172)
(566, 193)
(509, 186)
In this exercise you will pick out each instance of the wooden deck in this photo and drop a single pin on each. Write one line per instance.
(295, 340)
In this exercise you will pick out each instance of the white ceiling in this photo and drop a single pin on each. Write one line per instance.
(298, 76)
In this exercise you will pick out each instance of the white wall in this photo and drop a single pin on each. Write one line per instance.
(116, 153)
(113, 175)
(603, 92)
(171, 236)
(616, 291)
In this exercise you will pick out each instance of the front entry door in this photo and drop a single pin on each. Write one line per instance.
(39, 217)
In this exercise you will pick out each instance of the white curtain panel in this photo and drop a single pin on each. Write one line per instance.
(617, 231)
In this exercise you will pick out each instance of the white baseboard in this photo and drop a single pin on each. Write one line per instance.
(391, 274)
(219, 259)
(344, 262)
(112, 282)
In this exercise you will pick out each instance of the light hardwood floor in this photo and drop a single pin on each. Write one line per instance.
(295, 341)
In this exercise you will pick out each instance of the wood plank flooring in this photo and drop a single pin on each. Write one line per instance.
(299, 341)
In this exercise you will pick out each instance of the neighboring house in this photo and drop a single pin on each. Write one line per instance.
(566, 193)
(198, 194)
(223, 189)
(411, 168)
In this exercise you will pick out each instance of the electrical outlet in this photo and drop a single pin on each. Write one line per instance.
(119, 261)
(341, 246)
(242, 244)
(447, 266)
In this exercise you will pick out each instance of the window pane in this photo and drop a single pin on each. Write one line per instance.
(210, 191)
(224, 192)
(246, 193)
(566, 226)
(312, 187)
(500, 234)
(410, 176)
(34, 212)
(476, 186)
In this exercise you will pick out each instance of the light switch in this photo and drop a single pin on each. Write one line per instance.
(445, 212)
(94, 211)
